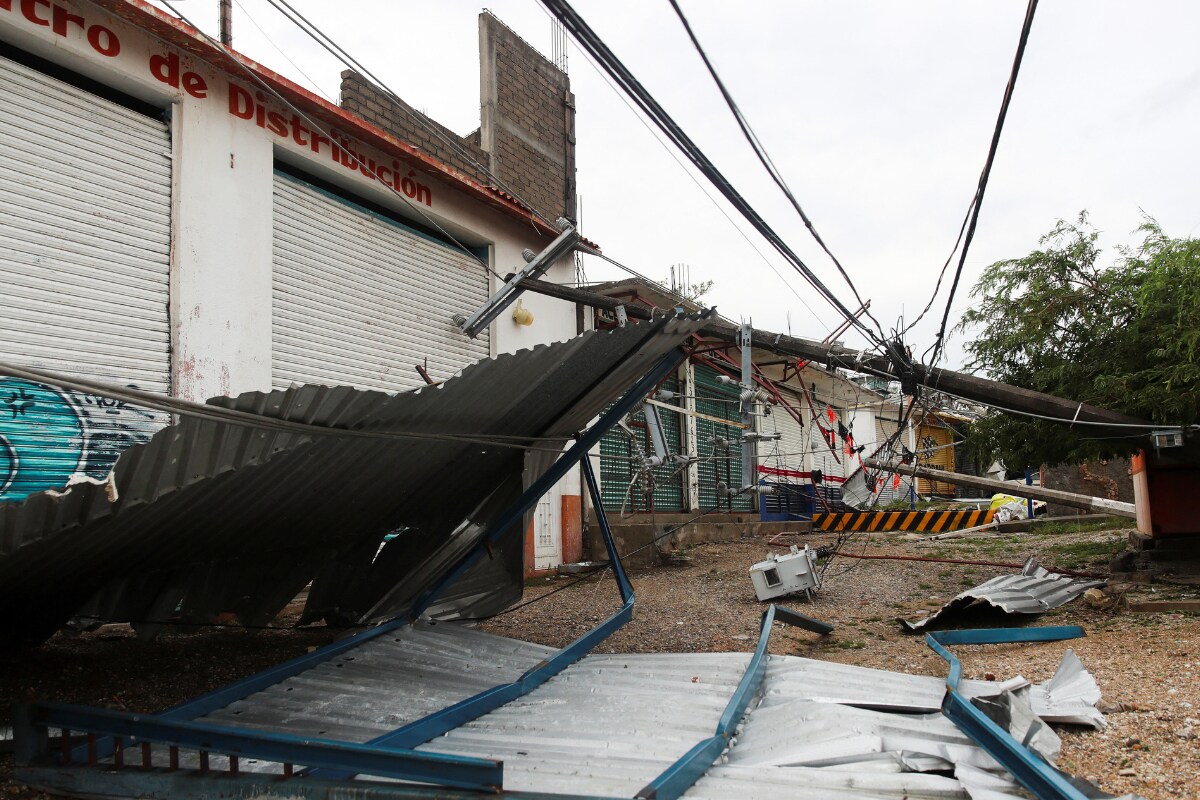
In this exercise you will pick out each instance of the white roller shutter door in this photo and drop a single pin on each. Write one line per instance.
(85, 237)
(359, 299)
(788, 453)
(85, 243)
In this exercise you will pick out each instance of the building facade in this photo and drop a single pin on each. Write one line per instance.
(185, 221)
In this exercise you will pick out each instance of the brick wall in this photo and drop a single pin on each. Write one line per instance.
(413, 127)
(527, 128)
(1108, 478)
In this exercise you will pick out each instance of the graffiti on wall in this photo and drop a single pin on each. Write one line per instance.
(49, 435)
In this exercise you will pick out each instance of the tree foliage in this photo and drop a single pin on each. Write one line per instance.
(1125, 336)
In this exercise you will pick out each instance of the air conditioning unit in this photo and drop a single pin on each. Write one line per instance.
(792, 572)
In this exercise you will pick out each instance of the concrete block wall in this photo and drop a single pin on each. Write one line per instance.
(527, 130)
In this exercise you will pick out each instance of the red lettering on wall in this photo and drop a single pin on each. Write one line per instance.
(45, 14)
(195, 85)
(241, 104)
(62, 18)
(166, 69)
(29, 11)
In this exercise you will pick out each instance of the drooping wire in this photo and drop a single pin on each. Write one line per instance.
(769, 165)
(320, 37)
(675, 157)
(977, 203)
(358, 164)
(591, 43)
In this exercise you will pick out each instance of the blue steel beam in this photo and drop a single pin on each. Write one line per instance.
(680, 776)
(451, 717)
(605, 531)
(1030, 770)
(456, 771)
(558, 469)
(219, 698)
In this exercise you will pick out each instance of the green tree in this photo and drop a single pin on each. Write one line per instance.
(1124, 336)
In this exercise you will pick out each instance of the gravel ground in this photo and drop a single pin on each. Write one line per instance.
(1145, 663)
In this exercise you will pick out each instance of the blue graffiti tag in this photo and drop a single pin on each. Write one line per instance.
(42, 438)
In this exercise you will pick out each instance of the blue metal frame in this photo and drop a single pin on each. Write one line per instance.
(219, 698)
(614, 559)
(679, 777)
(457, 771)
(1030, 770)
(176, 722)
(577, 453)
(451, 717)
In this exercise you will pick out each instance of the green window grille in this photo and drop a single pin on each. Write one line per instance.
(619, 457)
(717, 400)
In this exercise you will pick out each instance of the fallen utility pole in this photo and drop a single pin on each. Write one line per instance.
(1071, 499)
(968, 387)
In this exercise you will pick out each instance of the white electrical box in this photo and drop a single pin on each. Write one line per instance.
(786, 574)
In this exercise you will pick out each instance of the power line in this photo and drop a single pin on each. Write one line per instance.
(188, 408)
(357, 162)
(334, 49)
(769, 165)
(590, 42)
(977, 203)
(674, 157)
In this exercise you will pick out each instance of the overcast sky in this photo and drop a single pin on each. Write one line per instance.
(878, 114)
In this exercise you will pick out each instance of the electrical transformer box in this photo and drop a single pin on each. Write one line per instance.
(786, 574)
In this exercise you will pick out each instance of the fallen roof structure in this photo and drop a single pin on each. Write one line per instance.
(1034, 591)
(237, 512)
(390, 707)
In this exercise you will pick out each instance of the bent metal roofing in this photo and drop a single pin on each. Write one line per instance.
(603, 727)
(214, 516)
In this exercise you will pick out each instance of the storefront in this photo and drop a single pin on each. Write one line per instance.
(183, 220)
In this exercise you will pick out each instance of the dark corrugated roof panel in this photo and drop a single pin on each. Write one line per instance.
(216, 517)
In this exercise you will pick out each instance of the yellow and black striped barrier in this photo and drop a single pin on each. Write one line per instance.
(923, 521)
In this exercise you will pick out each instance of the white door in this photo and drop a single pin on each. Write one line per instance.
(547, 542)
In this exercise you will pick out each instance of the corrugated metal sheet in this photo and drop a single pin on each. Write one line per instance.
(220, 517)
(610, 723)
(384, 684)
(606, 725)
(359, 299)
(1070, 696)
(84, 257)
(1034, 591)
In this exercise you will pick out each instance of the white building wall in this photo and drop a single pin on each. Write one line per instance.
(224, 156)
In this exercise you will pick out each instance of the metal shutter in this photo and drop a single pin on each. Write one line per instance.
(85, 244)
(718, 400)
(789, 451)
(359, 299)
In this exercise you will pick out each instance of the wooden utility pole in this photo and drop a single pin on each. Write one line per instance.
(1099, 504)
(225, 15)
(968, 387)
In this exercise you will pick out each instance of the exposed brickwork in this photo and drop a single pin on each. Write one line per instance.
(1108, 478)
(528, 119)
(526, 136)
(409, 125)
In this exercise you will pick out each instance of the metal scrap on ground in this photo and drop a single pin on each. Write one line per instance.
(1034, 591)
(605, 726)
